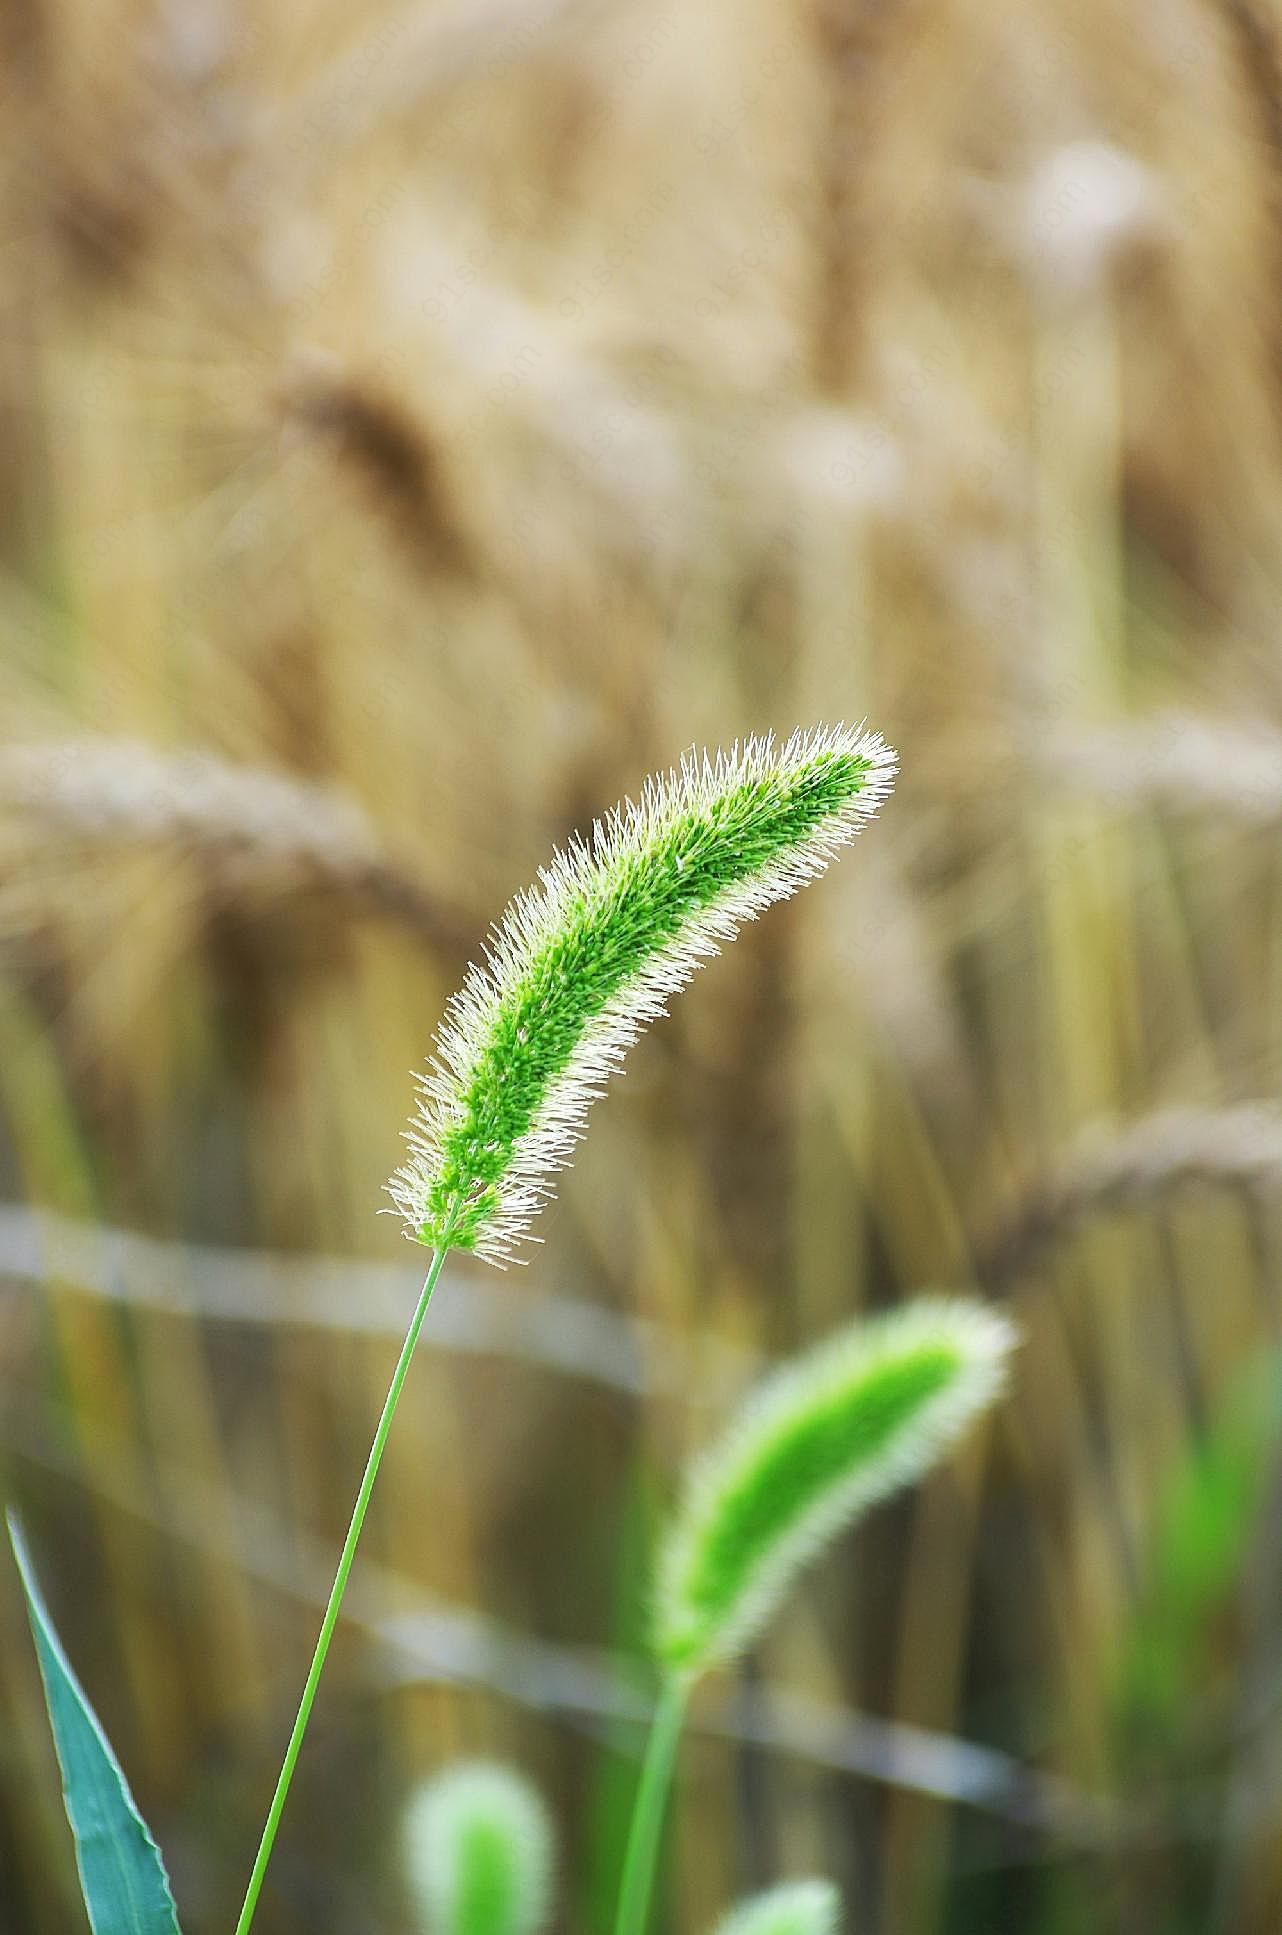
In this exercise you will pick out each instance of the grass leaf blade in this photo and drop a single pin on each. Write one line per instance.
(122, 1875)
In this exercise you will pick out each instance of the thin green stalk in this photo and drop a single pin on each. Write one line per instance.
(648, 1809)
(337, 1590)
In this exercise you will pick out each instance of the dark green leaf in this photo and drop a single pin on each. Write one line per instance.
(122, 1876)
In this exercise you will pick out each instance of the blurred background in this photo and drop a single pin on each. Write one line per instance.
(419, 423)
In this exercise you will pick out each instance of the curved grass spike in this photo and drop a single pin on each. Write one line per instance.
(793, 1908)
(578, 966)
(575, 970)
(815, 1445)
(479, 1853)
(820, 1441)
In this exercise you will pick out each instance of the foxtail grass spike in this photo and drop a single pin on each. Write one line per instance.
(820, 1441)
(793, 1908)
(479, 1853)
(581, 963)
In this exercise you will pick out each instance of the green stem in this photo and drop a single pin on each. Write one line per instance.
(337, 1590)
(648, 1809)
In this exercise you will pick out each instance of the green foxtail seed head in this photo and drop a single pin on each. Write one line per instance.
(479, 1853)
(819, 1441)
(793, 1908)
(579, 965)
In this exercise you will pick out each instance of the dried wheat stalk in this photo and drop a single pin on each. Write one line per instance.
(513, 367)
(1254, 33)
(850, 38)
(376, 437)
(399, 65)
(1179, 763)
(257, 836)
(1113, 1169)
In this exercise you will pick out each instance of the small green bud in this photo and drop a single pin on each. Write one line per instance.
(793, 1908)
(479, 1853)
